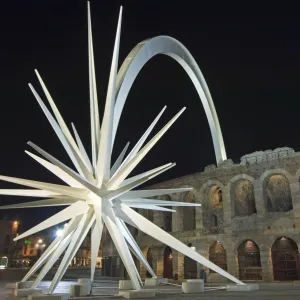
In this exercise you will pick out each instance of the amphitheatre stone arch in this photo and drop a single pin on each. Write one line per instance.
(166, 45)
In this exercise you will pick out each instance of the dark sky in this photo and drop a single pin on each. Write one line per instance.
(249, 57)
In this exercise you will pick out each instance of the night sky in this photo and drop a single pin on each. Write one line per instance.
(249, 57)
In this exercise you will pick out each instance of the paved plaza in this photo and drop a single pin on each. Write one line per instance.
(108, 289)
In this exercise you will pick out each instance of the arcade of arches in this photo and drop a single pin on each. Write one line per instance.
(284, 256)
(248, 222)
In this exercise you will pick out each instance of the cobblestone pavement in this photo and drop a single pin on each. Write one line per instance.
(108, 289)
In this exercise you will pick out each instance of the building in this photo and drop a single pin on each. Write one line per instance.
(27, 251)
(8, 231)
(248, 224)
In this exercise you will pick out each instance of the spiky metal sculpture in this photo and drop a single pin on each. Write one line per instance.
(98, 192)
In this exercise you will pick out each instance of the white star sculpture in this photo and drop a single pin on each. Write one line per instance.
(98, 193)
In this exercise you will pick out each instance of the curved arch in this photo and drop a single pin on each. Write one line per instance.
(285, 258)
(166, 45)
(249, 260)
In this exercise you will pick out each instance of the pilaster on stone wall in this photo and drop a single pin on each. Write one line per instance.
(259, 198)
(159, 265)
(177, 219)
(199, 219)
(227, 206)
(295, 193)
(267, 265)
(232, 263)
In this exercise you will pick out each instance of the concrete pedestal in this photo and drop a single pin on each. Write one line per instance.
(85, 286)
(125, 285)
(49, 297)
(151, 281)
(137, 294)
(75, 290)
(192, 286)
(242, 287)
(26, 292)
(20, 285)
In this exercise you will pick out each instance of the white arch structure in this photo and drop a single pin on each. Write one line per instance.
(97, 192)
(171, 47)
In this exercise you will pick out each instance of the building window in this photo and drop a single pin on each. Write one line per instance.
(214, 221)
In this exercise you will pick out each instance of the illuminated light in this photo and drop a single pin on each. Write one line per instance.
(170, 256)
(40, 241)
(66, 225)
(249, 244)
(36, 245)
(44, 245)
(16, 222)
(59, 232)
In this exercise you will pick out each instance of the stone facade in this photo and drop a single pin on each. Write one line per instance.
(246, 207)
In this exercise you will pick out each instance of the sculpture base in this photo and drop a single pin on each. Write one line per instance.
(137, 294)
(85, 286)
(19, 285)
(26, 292)
(49, 297)
(125, 285)
(192, 286)
(242, 288)
(151, 281)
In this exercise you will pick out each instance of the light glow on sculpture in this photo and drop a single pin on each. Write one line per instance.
(100, 192)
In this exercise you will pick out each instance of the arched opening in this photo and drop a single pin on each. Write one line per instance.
(285, 257)
(167, 215)
(278, 194)
(243, 195)
(190, 266)
(189, 212)
(168, 263)
(217, 255)
(215, 197)
(249, 261)
(213, 215)
(150, 261)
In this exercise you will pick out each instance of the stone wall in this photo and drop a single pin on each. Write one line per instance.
(251, 219)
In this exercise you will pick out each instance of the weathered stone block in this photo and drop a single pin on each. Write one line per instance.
(137, 294)
(75, 290)
(193, 286)
(85, 286)
(242, 287)
(125, 285)
(20, 285)
(26, 292)
(151, 281)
